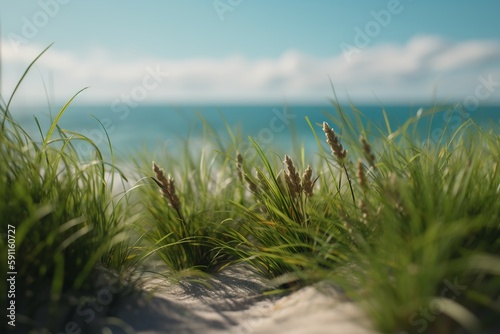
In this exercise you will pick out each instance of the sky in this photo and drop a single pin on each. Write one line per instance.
(251, 51)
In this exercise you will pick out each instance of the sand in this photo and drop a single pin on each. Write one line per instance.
(229, 302)
(234, 303)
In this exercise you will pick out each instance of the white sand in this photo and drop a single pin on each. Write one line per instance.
(235, 304)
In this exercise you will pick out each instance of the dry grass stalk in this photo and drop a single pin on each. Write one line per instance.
(339, 152)
(251, 185)
(370, 157)
(333, 140)
(167, 187)
(292, 178)
(239, 166)
(307, 182)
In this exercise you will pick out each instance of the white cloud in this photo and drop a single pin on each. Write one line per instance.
(404, 73)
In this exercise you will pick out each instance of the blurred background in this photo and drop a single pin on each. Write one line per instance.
(152, 66)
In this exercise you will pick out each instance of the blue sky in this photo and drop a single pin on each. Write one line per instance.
(253, 50)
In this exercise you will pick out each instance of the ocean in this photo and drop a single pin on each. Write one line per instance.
(139, 128)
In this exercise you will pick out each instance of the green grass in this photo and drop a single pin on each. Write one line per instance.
(422, 220)
(410, 231)
(186, 237)
(66, 219)
(438, 212)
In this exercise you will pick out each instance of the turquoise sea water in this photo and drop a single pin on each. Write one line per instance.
(272, 126)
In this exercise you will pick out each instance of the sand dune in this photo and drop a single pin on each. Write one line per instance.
(234, 303)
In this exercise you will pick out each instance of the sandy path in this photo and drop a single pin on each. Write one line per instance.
(234, 304)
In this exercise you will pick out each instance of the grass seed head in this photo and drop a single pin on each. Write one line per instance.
(160, 176)
(174, 199)
(239, 166)
(333, 140)
(251, 184)
(370, 157)
(167, 187)
(307, 183)
(292, 177)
